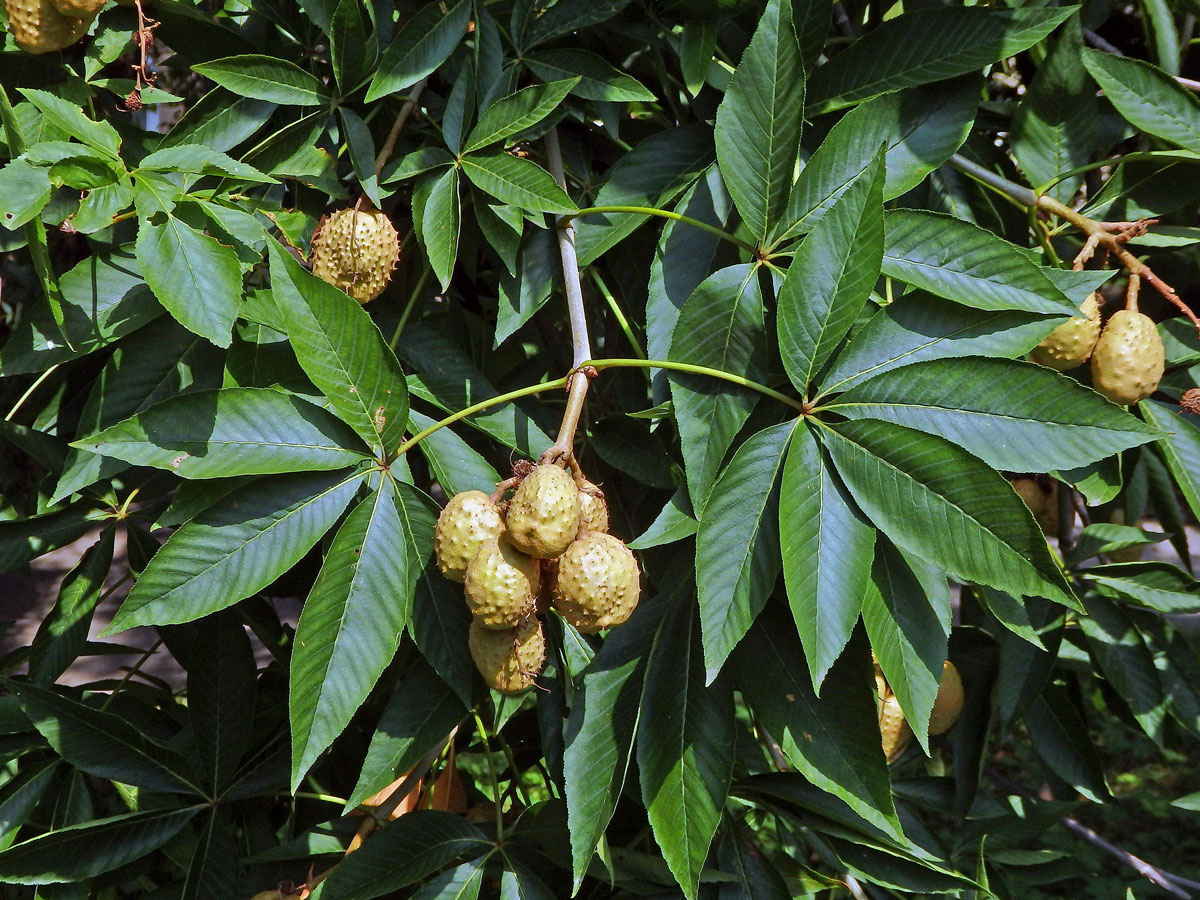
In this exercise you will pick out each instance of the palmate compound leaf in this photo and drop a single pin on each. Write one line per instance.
(938, 502)
(407, 850)
(737, 544)
(760, 119)
(341, 350)
(79, 852)
(1015, 416)
(827, 548)
(599, 733)
(831, 277)
(720, 326)
(233, 431)
(235, 547)
(899, 53)
(101, 743)
(684, 746)
(967, 264)
(832, 740)
(354, 615)
(906, 611)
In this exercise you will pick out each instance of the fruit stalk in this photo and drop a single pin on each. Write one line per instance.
(581, 345)
(1099, 234)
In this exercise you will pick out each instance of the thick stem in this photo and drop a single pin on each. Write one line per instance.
(581, 345)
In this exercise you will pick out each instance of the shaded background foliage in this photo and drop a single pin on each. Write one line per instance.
(836, 391)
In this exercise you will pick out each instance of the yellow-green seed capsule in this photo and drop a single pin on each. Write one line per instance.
(1069, 345)
(469, 519)
(598, 583)
(501, 585)
(508, 660)
(1129, 358)
(543, 516)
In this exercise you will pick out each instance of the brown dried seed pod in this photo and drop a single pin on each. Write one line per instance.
(1190, 401)
(1129, 358)
(469, 519)
(509, 660)
(1069, 345)
(501, 585)
(543, 515)
(598, 583)
(1031, 492)
(356, 250)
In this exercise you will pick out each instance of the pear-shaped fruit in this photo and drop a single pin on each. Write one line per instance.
(598, 582)
(543, 515)
(894, 729)
(1129, 358)
(1069, 345)
(949, 703)
(356, 250)
(501, 585)
(509, 660)
(469, 519)
(38, 27)
(593, 510)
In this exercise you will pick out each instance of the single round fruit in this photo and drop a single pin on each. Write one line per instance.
(1031, 492)
(593, 510)
(509, 660)
(949, 703)
(882, 692)
(356, 250)
(598, 582)
(543, 515)
(894, 729)
(1069, 345)
(501, 584)
(38, 27)
(469, 519)
(1128, 361)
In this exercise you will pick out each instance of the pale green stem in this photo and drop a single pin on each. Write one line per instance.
(487, 752)
(29, 393)
(1142, 156)
(479, 407)
(602, 364)
(667, 214)
(409, 306)
(618, 313)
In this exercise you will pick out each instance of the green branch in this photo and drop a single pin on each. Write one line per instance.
(602, 364)
(667, 214)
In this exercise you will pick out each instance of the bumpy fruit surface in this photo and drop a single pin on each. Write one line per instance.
(593, 510)
(894, 729)
(38, 27)
(80, 8)
(1069, 345)
(356, 251)
(949, 703)
(598, 583)
(543, 516)
(509, 660)
(469, 519)
(501, 584)
(1128, 361)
